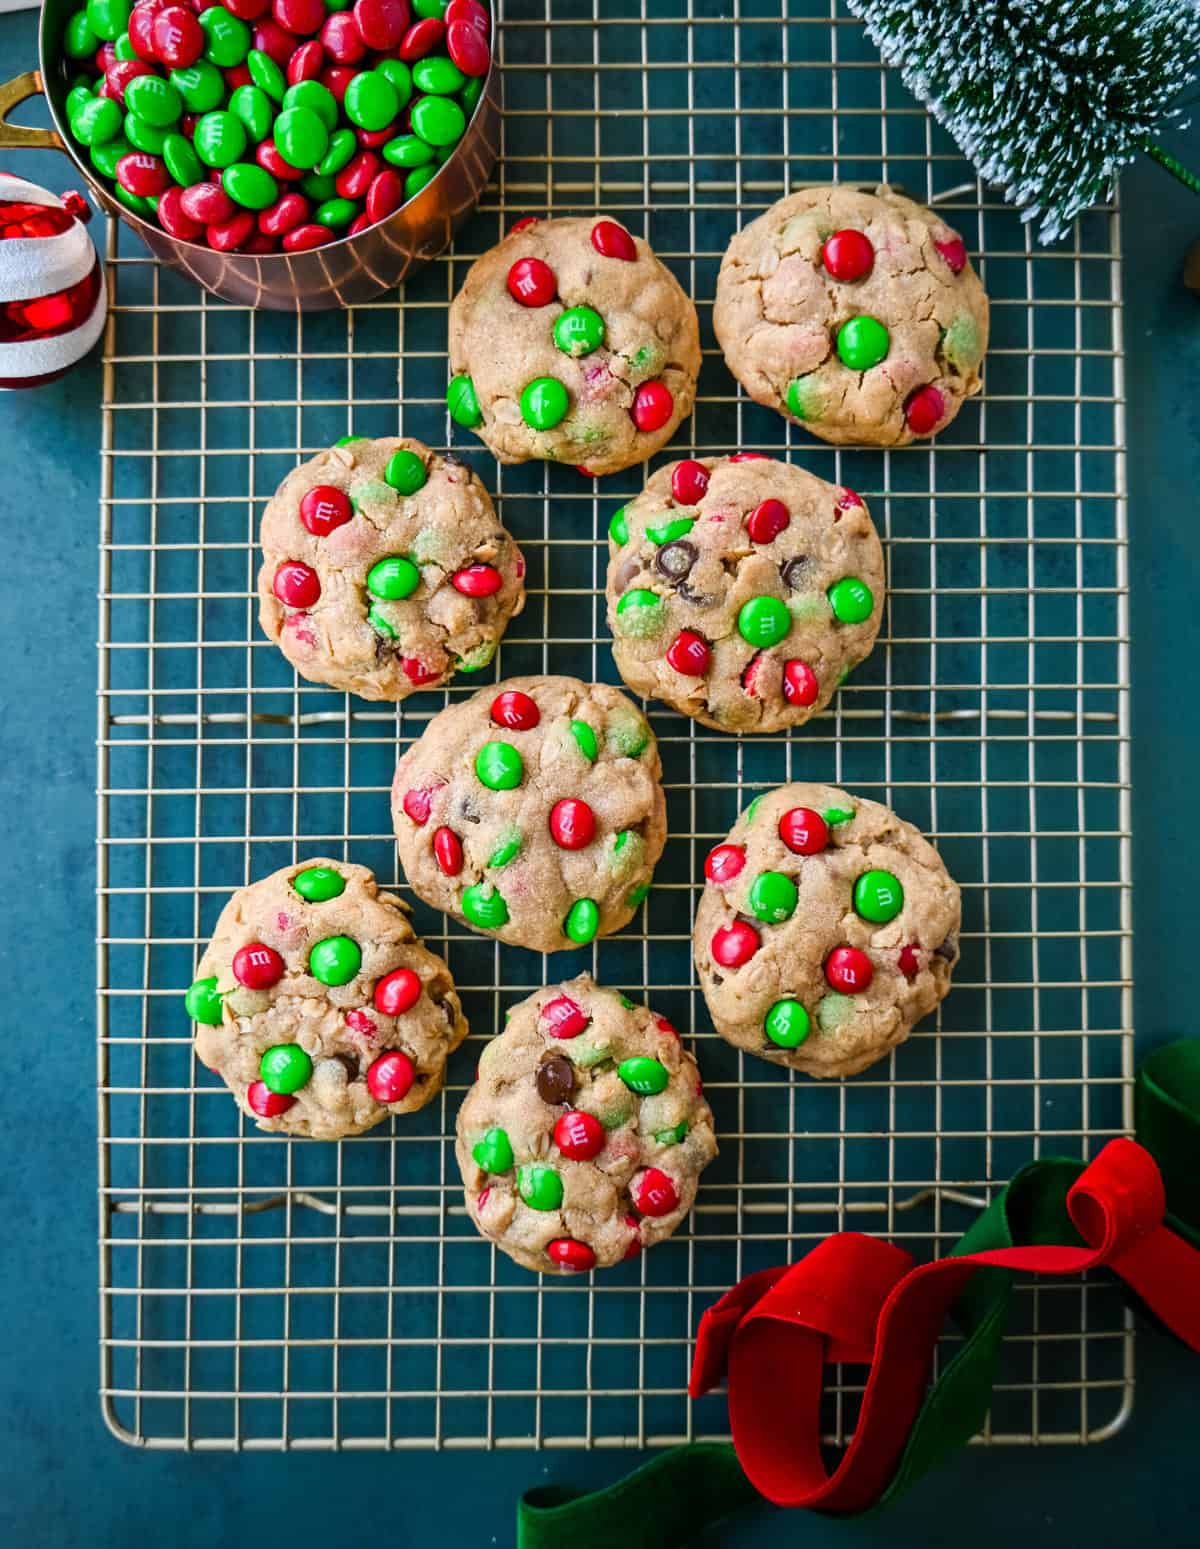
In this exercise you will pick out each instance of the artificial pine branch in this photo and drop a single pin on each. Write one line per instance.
(1047, 97)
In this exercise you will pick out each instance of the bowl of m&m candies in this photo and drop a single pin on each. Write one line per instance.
(292, 154)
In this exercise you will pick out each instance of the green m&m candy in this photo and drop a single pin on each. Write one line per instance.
(640, 613)
(773, 897)
(203, 1001)
(417, 179)
(835, 815)
(220, 138)
(182, 162)
(544, 403)
(499, 766)
(317, 98)
(301, 137)
(153, 99)
(787, 1024)
(76, 97)
(343, 147)
(105, 157)
(227, 37)
(878, 896)
(266, 73)
(336, 960)
(201, 86)
(335, 213)
(407, 150)
(438, 120)
(763, 621)
(643, 1075)
(401, 77)
(317, 187)
(618, 527)
(579, 331)
(506, 851)
(393, 578)
(430, 7)
(805, 398)
(484, 906)
(97, 120)
(108, 19)
(752, 809)
(438, 75)
(637, 895)
(679, 528)
(144, 136)
(582, 921)
(405, 471)
(256, 111)
(493, 1151)
(541, 1187)
(348, 440)
(379, 623)
(851, 600)
(250, 185)
(585, 740)
(123, 48)
(285, 1068)
(318, 884)
(462, 402)
(79, 40)
(673, 1136)
(862, 343)
(371, 101)
(134, 202)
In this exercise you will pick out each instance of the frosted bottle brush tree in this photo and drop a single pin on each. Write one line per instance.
(1047, 97)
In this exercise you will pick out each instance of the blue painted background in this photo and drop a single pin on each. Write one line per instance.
(63, 1480)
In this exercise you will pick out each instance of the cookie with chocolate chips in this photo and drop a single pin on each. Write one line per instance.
(318, 1006)
(584, 1137)
(571, 342)
(385, 569)
(742, 590)
(855, 313)
(827, 927)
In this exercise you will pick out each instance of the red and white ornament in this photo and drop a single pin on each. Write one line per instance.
(52, 297)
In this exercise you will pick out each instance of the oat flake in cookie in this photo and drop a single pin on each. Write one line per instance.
(826, 929)
(385, 569)
(318, 1005)
(583, 1138)
(571, 342)
(533, 811)
(855, 313)
(742, 590)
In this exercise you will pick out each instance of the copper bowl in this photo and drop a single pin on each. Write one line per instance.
(341, 273)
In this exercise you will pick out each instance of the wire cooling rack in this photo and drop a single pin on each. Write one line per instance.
(262, 1293)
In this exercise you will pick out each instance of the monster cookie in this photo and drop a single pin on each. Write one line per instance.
(385, 569)
(571, 342)
(586, 1132)
(742, 590)
(855, 313)
(826, 929)
(318, 1006)
(533, 811)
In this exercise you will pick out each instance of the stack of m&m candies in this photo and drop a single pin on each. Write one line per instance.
(272, 125)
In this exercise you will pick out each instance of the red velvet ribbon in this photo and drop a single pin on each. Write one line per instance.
(857, 1300)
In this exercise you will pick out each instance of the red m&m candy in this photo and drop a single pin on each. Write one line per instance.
(909, 964)
(172, 218)
(448, 852)
(477, 581)
(924, 410)
(206, 203)
(689, 653)
(397, 992)
(381, 23)
(767, 521)
(143, 175)
(800, 686)
(306, 63)
(750, 457)
(579, 1136)
(954, 253)
(848, 970)
(613, 241)
(572, 824)
(734, 944)
(848, 255)
(653, 406)
(177, 37)
(289, 211)
(654, 1194)
(515, 710)
(468, 47)
(526, 220)
(635, 1246)
(417, 804)
(325, 508)
(341, 38)
(421, 39)
(689, 480)
(563, 1018)
(267, 1104)
(417, 671)
(390, 1077)
(666, 1027)
(295, 584)
(532, 282)
(567, 1253)
(467, 11)
(804, 831)
(724, 863)
(258, 967)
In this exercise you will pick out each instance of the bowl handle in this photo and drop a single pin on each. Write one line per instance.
(15, 137)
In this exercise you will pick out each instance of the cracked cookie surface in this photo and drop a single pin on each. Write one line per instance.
(319, 1007)
(571, 342)
(742, 590)
(533, 811)
(385, 569)
(827, 927)
(856, 314)
(586, 1132)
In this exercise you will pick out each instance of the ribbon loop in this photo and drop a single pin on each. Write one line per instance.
(1118, 1200)
(838, 1290)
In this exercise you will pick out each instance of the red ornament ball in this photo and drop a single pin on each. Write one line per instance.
(848, 255)
(390, 1076)
(258, 967)
(804, 831)
(848, 970)
(397, 992)
(579, 1136)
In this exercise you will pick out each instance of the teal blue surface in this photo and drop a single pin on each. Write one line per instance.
(63, 1481)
